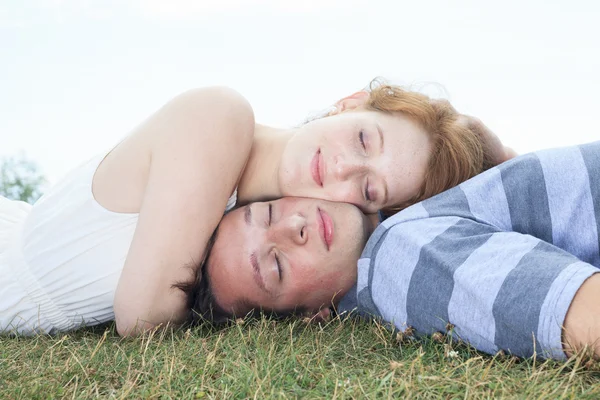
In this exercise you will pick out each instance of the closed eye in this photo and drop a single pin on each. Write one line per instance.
(270, 213)
(278, 266)
(361, 137)
(367, 192)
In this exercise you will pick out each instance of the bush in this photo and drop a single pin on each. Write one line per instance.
(20, 179)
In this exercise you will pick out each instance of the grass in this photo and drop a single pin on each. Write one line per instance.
(268, 359)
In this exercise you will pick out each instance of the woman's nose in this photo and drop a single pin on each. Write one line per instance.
(293, 228)
(344, 168)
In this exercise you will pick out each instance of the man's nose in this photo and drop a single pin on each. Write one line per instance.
(293, 228)
(344, 167)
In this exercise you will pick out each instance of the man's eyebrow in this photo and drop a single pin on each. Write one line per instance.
(248, 215)
(257, 276)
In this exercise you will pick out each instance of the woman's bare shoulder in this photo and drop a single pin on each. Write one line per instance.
(216, 110)
(213, 103)
(206, 126)
(213, 123)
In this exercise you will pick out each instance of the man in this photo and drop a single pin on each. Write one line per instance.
(290, 255)
(502, 258)
(509, 258)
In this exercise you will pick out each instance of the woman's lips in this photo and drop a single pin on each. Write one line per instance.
(315, 168)
(325, 228)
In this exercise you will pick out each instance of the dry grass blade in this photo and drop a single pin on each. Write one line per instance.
(266, 359)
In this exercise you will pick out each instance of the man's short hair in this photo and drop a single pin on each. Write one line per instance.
(201, 304)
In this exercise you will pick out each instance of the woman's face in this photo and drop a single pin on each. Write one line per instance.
(367, 158)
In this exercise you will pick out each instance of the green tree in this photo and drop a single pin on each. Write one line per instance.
(20, 179)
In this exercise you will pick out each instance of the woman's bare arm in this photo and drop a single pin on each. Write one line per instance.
(199, 144)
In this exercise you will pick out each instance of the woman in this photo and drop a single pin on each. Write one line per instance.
(111, 239)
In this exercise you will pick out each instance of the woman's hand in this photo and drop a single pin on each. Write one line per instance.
(495, 152)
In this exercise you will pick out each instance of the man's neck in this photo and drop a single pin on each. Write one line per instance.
(373, 220)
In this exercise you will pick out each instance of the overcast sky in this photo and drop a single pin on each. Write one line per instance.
(78, 75)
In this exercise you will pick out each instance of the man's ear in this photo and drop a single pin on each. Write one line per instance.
(351, 102)
(322, 315)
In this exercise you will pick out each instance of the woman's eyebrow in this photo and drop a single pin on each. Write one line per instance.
(385, 185)
(380, 132)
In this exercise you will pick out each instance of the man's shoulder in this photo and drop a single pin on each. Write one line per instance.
(408, 230)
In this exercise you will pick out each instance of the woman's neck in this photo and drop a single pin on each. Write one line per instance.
(260, 179)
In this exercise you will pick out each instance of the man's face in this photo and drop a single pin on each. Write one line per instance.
(286, 254)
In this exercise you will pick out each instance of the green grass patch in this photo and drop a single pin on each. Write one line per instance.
(268, 359)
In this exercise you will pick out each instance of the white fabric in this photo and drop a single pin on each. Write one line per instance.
(61, 259)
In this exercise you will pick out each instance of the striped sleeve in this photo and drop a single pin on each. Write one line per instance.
(501, 290)
(500, 256)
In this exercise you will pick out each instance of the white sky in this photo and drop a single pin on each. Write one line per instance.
(77, 75)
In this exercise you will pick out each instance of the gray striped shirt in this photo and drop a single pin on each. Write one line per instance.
(500, 256)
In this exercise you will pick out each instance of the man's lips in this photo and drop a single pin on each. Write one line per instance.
(325, 227)
(316, 168)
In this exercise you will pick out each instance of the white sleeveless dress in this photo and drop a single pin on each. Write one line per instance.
(60, 260)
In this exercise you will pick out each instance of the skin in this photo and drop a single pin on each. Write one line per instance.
(274, 255)
(354, 167)
(496, 151)
(582, 323)
(313, 277)
(165, 171)
(367, 158)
